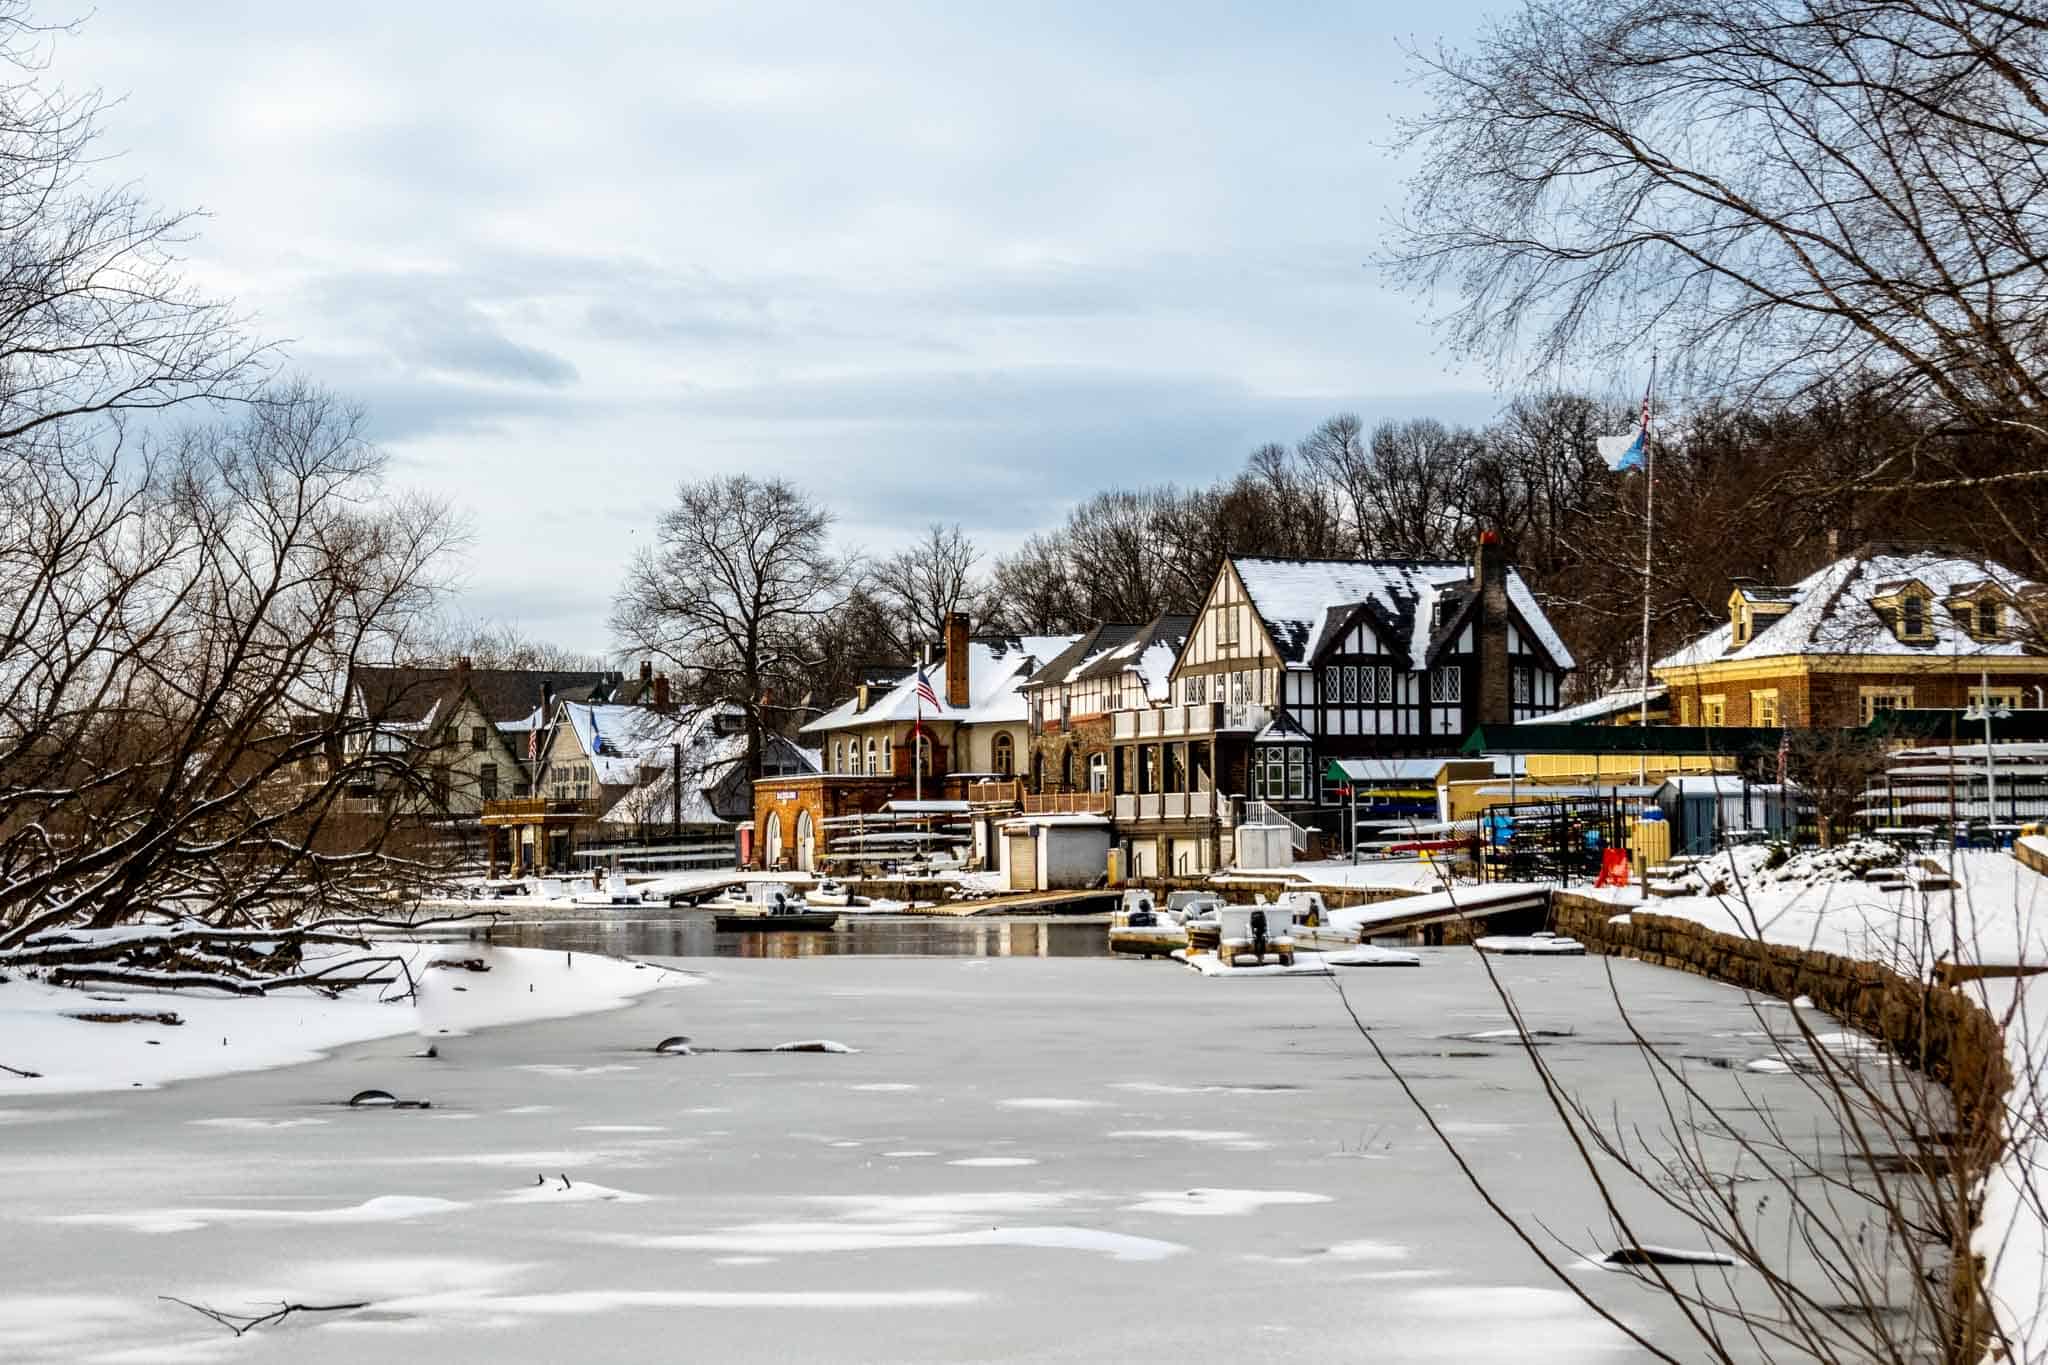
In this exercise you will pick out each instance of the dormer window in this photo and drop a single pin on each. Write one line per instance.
(1904, 605)
(1979, 609)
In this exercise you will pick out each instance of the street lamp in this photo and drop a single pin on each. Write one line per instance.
(1985, 709)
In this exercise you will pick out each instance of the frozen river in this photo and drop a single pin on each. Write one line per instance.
(1028, 1159)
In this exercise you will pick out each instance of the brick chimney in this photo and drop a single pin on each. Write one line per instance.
(661, 698)
(956, 660)
(646, 673)
(1490, 631)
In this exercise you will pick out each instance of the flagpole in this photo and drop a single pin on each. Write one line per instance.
(1649, 540)
(917, 752)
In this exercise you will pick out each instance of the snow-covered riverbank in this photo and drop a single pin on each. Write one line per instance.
(43, 1029)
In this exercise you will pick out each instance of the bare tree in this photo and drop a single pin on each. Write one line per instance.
(179, 627)
(925, 583)
(97, 318)
(501, 644)
(742, 569)
(1775, 193)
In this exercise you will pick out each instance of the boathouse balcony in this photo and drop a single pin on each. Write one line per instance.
(1185, 720)
(1132, 808)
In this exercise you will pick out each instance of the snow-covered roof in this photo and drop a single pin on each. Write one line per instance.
(1832, 612)
(1617, 703)
(1304, 602)
(997, 669)
(619, 739)
(1087, 648)
(714, 746)
(1148, 654)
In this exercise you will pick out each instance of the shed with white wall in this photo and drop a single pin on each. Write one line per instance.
(1055, 852)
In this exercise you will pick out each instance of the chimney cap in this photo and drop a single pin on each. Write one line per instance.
(1489, 537)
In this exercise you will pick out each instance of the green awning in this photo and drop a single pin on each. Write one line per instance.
(1682, 740)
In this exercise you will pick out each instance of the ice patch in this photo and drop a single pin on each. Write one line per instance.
(245, 1123)
(785, 1239)
(995, 1161)
(495, 1310)
(578, 1192)
(813, 1045)
(883, 1087)
(620, 1128)
(387, 1208)
(560, 1069)
(909, 1154)
(1051, 1102)
(1242, 1142)
(1208, 1203)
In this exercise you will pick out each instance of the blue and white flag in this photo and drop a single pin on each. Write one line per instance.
(1627, 450)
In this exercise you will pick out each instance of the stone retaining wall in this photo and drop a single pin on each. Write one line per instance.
(1935, 1029)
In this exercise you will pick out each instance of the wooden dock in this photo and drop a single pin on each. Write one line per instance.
(1098, 901)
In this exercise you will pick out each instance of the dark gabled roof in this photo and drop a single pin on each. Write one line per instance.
(1295, 599)
(1070, 662)
(400, 695)
(1168, 631)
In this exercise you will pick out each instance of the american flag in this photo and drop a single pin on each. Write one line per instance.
(533, 739)
(925, 693)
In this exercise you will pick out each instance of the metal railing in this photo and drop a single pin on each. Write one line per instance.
(1260, 813)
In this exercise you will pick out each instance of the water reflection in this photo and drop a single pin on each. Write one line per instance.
(683, 933)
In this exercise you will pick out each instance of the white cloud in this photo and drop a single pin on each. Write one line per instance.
(567, 260)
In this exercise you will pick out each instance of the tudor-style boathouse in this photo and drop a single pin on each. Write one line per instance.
(1292, 663)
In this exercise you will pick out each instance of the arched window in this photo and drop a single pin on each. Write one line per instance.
(871, 757)
(771, 841)
(838, 756)
(1003, 754)
(1067, 770)
(805, 838)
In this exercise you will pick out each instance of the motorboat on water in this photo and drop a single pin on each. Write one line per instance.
(1138, 926)
(829, 892)
(767, 907)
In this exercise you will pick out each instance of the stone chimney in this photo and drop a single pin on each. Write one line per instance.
(956, 660)
(1490, 632)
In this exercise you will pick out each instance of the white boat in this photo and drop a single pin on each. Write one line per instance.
(761, 897)
(614, 892)
(829, 892)
(1139, 927)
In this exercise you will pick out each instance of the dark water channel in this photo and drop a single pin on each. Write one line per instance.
(692, 933)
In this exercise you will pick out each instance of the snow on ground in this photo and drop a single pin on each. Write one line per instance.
(1821, 899)
(40, 1030)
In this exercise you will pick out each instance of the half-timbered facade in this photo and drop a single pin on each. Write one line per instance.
(1292, 663)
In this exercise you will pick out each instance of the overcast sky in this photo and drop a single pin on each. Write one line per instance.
(956, 262)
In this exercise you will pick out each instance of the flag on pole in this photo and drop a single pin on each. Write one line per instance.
(533, 737)
(925, 694)
(1626, 450)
